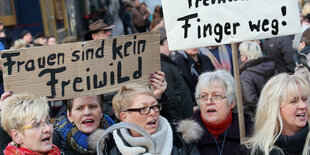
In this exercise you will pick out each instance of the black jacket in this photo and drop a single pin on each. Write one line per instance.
(281, 51)
(207, 145)
(189, 69)
(253, 75)
(179, 103)
(290, 145)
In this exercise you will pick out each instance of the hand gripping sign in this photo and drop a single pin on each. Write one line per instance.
(83, 68)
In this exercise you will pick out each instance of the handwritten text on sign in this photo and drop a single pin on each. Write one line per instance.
(198, 23)
(83, 68)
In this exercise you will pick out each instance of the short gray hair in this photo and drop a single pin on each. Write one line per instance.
(223, 77)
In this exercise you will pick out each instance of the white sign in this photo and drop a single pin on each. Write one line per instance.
(198, 23)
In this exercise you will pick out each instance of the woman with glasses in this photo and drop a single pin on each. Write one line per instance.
(76, 132)
(137, 104)
(282, 118)
(216, 98)
(26, 119)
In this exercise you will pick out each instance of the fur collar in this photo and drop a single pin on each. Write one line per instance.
(94, 138)
(255, 62)
(190, 130)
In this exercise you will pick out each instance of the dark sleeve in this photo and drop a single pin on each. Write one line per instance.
(243, 150)
(249, 93)
(4, 140)
(288, 53)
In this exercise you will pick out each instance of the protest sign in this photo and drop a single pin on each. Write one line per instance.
(83, 68)
(199, 23)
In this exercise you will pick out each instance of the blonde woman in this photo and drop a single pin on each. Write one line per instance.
(282, 117)
(136, 103)
(26, 119)
(255, 71)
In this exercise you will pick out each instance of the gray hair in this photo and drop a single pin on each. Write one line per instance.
(223, 77)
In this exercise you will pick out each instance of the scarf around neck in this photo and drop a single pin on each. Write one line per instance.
(11, 149)
(129, 145)
(224, 60)
(74, 137)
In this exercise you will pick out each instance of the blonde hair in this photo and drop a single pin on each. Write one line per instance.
(251, 49)
(19, 109)
(268, 120)
(223, 77)
(306, 9)
(126, 95)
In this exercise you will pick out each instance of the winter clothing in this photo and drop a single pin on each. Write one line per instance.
(166, 141)
(253, 75)
(217, 129)
(137, 21)
(281, 51)
(229, 139)
(179, 103)
(11, 149)
(289, 145)
(4, 139)
(221, 57)
(190, 69)
(72, 141)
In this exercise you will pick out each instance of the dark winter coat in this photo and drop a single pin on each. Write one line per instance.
(281, 51)
(184, 136)
(207, 145)
(5, 139)
(187, 66)
(253, 75)
(179, 103)
(290, 145)
(62, 144)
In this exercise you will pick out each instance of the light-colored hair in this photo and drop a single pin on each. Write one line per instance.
(306, 9)
(250, 49)
(268, 119)
(19, 109)
(126, 95)
(223, 77)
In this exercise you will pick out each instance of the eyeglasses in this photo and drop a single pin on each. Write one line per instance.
(146, 110)
(37, 125)
(213, 98)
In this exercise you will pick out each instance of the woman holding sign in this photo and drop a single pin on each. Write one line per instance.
(137, 104)
(76, 132)
(216, 98)
(282, 118)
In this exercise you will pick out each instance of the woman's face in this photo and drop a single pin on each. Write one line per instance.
(37, 136)
(149, 121)
(294, 113)
(217, 110)
(86, 113)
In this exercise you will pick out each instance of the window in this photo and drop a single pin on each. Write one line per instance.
(7, 12)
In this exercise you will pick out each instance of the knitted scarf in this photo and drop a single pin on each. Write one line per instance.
(75, 138)
(217, 129)
(12, 149)
(224, 58)
(129, 145)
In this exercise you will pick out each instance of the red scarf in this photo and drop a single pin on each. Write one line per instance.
(217, 129)
(13, 150)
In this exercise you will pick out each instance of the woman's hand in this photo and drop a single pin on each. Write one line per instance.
(4, 96)
(158, 83)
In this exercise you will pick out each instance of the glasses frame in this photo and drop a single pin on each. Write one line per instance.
(212, 98)
(42, 124)
(149, 107)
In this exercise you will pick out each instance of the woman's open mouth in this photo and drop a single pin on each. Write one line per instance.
(88, 122)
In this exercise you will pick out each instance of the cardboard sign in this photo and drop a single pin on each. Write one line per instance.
(199, 23)
(83, 68)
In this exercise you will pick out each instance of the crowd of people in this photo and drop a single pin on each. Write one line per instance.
(189, 107)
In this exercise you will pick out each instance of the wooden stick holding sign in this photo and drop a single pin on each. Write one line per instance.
(83, 68)
(239, 92)
(198, 23)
